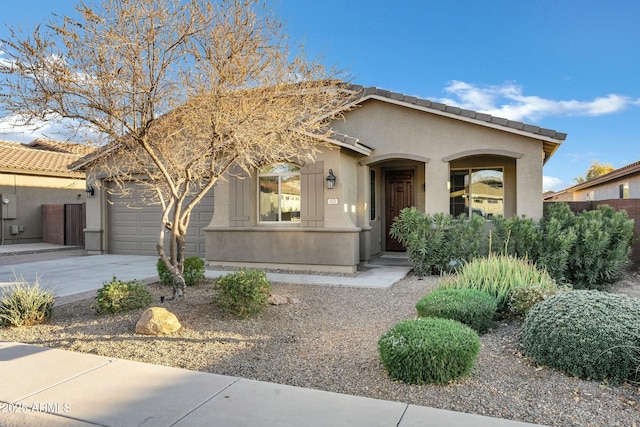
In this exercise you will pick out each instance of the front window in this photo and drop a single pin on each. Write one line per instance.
(279, 193)
(624, 190)
(479, 191)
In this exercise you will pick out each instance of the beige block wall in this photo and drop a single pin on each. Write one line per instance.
(31, 192)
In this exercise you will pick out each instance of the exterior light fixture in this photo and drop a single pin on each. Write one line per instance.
(331, 180)
(90, 190)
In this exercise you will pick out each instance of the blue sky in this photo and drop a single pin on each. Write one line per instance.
(572, 66)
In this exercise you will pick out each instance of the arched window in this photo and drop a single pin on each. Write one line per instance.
(279, 193)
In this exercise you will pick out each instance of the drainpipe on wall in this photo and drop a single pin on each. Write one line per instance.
(5, 202)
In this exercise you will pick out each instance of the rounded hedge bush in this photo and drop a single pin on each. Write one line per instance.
(587, 334)
(428, 350)
(117, 296)
(472, 307)
(243, 293)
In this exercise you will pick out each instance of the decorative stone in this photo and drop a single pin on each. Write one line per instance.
(275, 299)
(157, 321)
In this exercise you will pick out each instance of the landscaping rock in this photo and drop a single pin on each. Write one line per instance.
(275, 299)
(157, 321)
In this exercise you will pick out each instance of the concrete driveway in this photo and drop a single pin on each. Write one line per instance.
(75, 275)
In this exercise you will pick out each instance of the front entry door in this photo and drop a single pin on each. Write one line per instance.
(398, 195)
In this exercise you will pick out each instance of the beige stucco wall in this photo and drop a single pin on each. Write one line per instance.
(395, 130)
(609, 190)
(401, 139)
(31, 192)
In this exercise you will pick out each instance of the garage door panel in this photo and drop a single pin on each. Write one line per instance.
(135, 230)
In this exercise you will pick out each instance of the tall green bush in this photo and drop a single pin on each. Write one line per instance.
(557, 239)
(498, 275)
(23, 304)
(433, 242)
(516, 236)
(428, 350)
(602, 247)
(588, 334)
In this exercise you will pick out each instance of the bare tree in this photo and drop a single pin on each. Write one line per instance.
(184, 91)
(595, 170)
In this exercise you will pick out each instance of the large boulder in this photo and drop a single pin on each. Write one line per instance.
(157, 321)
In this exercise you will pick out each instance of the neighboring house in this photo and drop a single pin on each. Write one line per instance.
(623, 183)
(389, 152)
(40, 199)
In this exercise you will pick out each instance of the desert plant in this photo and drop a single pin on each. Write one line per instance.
(433, 242)
(516, 236)
(474, 308)
(557, 239)
(602, 247)
(193, 271)
(117, 296)
(243, 293)
(587, 334)
(25, 304)
(524, 298)
(428, 350)
(498, 275)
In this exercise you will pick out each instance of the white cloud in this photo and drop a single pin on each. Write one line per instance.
(14, 128)
(551, 183)
(508, 101)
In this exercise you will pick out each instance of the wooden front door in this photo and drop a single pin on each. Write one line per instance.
(398, 195)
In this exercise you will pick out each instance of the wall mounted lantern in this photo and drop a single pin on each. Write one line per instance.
(331, 180)
(90, 190)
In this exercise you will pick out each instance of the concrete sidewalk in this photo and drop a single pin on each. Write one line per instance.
(49, 387)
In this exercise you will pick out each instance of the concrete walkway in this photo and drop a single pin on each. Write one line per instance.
(50, 387)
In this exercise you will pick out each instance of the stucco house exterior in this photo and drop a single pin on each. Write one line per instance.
(622, 183)
(390, 151)
(41, 200)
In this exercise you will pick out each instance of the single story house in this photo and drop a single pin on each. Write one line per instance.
(41, 200)
(622, 183)
(390, 151)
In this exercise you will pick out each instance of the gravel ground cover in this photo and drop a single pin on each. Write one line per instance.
(329, 342)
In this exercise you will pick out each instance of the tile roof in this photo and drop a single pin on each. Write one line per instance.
(16, 157)
(61, 147)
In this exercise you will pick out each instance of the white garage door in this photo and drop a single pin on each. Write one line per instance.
(134, 228)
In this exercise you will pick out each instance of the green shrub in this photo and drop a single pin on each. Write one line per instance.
(243, 293)
(474, 308)
(524, 298)
(557, 239)
(498, 275)
(516, 236)
(587, 334)
(602, 247)
(24, 305)
(117, 296)
(193, 271)
(428, 350)
(433, 242)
